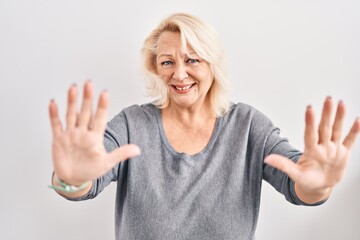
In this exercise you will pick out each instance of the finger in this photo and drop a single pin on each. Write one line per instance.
(325, 122)
(101, 113)
(54, 118)
(284, 164)
(86, 108)
(311, 136)
(351, 137)
(123, 153)
(71, 114)
(338, 123)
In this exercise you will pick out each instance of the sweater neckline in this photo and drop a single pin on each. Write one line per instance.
(165, 140)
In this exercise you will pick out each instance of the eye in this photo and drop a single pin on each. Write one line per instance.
(192, 61)
(166, 64)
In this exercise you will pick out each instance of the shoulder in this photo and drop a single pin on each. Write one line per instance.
(249, 120)
(134, 113)
(147, 108)
(246, 113)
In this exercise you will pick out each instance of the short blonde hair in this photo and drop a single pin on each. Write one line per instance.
(204, 41)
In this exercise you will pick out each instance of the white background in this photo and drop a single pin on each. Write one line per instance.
(282, 55)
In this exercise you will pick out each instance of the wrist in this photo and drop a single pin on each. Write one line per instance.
(64, 187)
(312, 196)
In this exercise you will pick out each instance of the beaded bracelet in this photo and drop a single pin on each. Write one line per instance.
(68, 188)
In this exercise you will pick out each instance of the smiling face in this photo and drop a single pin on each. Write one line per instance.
(188, 77)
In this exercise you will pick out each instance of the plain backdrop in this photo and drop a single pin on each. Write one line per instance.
(281, 56)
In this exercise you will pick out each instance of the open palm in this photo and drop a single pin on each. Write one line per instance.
(324, 161)
(78, 151)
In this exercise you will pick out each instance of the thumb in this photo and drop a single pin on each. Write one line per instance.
(283, 164)
(123, 153)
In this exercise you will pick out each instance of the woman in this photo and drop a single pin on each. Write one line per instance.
(202, 158)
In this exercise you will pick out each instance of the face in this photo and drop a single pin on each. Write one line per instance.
(188, 77)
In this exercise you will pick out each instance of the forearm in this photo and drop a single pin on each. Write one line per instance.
(76, 194)
(312, 197)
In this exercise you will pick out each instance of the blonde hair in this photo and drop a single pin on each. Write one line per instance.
(204, 41)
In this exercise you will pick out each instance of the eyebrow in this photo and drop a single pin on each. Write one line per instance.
(191, 53)
(164, 55)
(170, 55)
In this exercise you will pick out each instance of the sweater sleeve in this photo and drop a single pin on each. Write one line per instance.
(275, 144)
(266, 139)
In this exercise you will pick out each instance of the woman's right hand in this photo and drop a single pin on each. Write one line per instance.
(78, 150)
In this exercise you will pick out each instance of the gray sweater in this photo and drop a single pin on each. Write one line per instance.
(214, 194)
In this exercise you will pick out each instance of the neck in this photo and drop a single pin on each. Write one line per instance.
(189, 116)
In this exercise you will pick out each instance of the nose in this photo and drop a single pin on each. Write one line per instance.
(180, 72)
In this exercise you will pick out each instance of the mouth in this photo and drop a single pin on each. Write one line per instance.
(182, 88)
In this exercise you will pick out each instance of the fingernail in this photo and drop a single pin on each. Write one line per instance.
(308, 107)
(341, 102)
(52, 100)
(328, 98)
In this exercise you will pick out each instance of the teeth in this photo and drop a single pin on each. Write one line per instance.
(183, 88)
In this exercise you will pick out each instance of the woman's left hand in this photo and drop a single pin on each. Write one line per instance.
(324, 161)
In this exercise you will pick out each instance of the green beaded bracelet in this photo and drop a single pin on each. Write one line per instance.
(68, 188)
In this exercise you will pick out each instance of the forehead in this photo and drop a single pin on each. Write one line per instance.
(169, 42)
